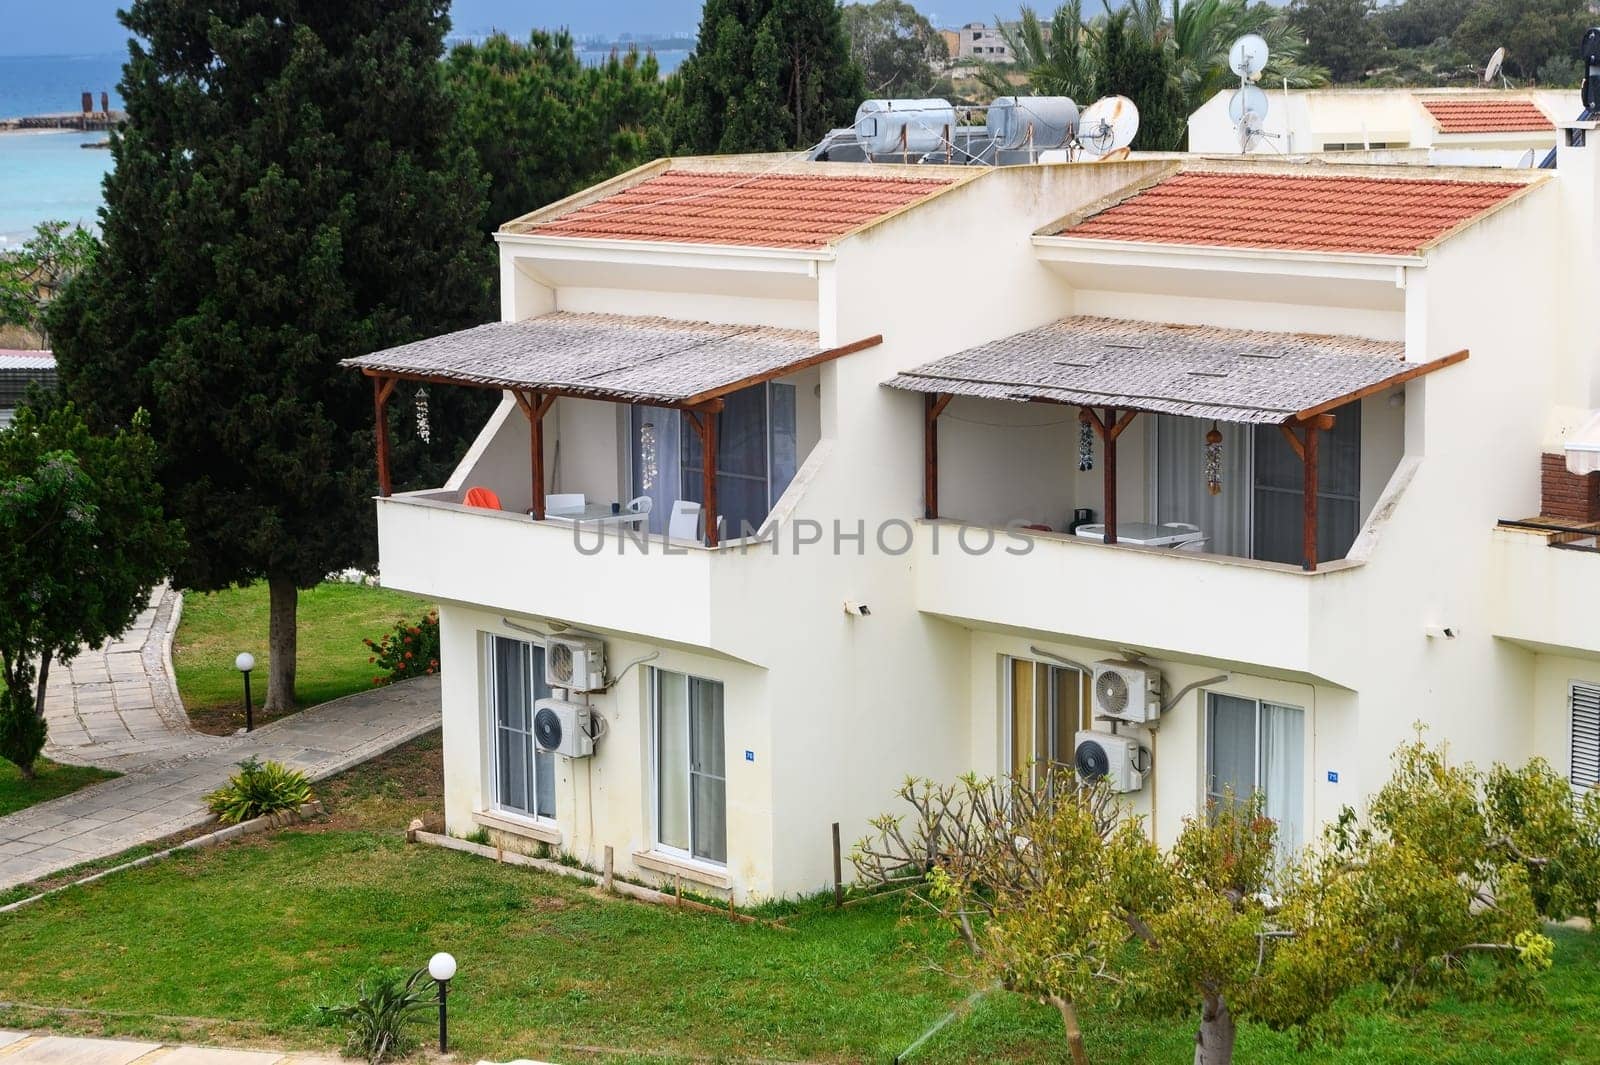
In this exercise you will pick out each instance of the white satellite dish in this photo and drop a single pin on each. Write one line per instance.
(1107, 125)
(1496, 61)
(1526, 162)
(1248, 100)
(1248, 56)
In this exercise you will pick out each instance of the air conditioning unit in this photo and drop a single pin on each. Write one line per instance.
(576, 663)
(1127, 691)
(1118, 760)
(563, 728)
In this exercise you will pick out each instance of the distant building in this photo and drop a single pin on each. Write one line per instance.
(18, 370)
(952, 42)
(976, 40)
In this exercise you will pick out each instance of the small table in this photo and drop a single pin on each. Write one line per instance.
(599, 514)
(1144, 533)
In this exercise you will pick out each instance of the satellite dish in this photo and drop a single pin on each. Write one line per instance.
(1496, 61)
(1248, 56)
(1526, 162)
(1248, 100)
(1589, 50)
(1107, 125)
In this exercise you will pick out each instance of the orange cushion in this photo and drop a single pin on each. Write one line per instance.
(478, 496)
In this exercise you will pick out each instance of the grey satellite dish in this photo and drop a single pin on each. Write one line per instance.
(1526, 162)
(1496, 61)
(1249, 100)
(1248, 56)
(1108, 125)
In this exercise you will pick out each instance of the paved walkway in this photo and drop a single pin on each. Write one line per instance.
(120, 719)
(38, 1048)
(118, 707)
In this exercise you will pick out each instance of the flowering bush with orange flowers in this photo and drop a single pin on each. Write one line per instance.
(411, 650)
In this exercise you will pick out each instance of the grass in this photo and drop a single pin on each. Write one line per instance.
(331, 660)
(52, 780)
(240, 943)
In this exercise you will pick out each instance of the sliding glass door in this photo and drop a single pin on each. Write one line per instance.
(757, 456)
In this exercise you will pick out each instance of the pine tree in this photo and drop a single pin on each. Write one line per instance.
(766, 75)
(1133, 67)
(288, 192)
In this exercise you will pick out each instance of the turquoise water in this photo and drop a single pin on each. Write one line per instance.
(47, 176)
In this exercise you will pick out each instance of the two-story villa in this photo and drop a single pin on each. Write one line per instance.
(782, 501)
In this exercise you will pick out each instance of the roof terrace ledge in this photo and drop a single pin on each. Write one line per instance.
(1353, 266)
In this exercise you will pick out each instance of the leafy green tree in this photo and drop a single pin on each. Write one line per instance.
(1340, 35)
(896, 47)
(765, 75)
(1055, 59)
(82, 541)
(544, 125)
(1133, 67)
(35, 273)
(288, 192)
(1419, 23)
(1531, 31)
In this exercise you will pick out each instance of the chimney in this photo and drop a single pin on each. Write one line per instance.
(1566, 496)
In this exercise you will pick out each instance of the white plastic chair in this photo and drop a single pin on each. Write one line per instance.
(684, 524)
(639, 505)
(564, 503)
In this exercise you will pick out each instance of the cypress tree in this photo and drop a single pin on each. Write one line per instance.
(1133, 67)
(766, 75)
(288, 192)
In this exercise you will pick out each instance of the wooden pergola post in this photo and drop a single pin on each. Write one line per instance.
(1306, 445)
(382, 389)
(1110, 426)
(704, 420)
(936, 402)
(535, 405)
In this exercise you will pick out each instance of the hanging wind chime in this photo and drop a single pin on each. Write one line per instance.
(1085, 441)
(1214, 460)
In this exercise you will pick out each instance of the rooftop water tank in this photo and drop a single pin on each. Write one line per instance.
(1053, 120)
(914, 127)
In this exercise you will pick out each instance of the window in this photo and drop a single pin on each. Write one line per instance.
(1044, 710)
(1254, 746)
(1260, 511)
(756, 456)
(1585, 736)
(524, 777)
(690, 763)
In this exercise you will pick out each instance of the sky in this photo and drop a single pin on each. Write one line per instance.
(77, 27)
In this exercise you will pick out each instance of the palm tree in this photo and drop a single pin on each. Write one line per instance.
(1054, 61)
(1199, 34)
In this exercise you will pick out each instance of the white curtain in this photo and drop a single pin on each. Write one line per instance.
(1283, 772)
(672, 760)
(708, 770)
(1181, 493)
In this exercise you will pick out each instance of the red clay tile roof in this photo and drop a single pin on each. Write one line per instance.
(760, 210)
(1376, 216)
(1487, 116)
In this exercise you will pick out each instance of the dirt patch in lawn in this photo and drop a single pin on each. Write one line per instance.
(383, 795)
(225, 721)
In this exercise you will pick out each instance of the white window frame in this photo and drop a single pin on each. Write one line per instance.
(682, 854)
(1008, 682)
(492, 738)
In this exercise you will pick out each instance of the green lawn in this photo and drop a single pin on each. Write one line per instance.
(240, 943)
(332, 662)
(53, 781)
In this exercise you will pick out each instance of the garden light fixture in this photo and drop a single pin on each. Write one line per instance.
(244, 664)
(442, 967)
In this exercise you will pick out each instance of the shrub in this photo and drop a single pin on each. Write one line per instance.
(377, 1017)
(411, 650)
(257, 789)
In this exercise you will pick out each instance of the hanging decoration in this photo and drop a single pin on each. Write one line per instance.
(1214, 460)
(1085, 441)
(424, 421)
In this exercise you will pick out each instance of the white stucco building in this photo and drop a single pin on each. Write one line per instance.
(1443, 126)
(885, 369)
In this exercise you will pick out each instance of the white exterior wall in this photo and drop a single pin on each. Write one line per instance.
(835, 709)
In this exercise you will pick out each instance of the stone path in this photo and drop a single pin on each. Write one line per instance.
(118, 707)
(121, 711)
(38, 1048)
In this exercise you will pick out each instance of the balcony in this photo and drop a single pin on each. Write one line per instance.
(1546, 577)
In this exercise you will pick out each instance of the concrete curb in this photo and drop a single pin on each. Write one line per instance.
(210, 839)
(166, 655)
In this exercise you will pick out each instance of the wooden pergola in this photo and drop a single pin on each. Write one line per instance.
(690, 367)
(1112, 371)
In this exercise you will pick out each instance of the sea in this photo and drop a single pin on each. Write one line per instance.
(47, 176)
